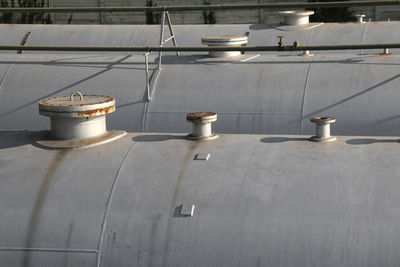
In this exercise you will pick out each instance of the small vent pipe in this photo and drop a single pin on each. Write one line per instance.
(77, 116)
(296, 17)
(225, 40)
(202, 129)
(360, 18)
(323, 129)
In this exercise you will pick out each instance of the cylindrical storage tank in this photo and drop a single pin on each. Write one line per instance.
(163, 200)
(190, 35)
(254, 93)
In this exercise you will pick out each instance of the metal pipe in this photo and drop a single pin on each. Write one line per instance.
(199, 48)
(204, 7)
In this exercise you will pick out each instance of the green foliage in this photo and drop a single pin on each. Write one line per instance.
(209, 16)
(340, 14)
(24, 18)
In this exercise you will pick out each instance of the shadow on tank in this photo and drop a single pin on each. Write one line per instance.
(271, 140)
(9, 139)
(157, 137)
(368, 141)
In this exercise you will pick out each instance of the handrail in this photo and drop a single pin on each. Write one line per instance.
(202, 7)
(296, 47)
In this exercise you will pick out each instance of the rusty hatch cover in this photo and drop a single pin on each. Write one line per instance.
(77, 105)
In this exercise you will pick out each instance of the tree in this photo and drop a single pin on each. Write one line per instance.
(339, 14)
(25, 18)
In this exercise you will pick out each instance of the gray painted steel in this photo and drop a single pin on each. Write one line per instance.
(259, 201)
(190, 35)
(267, 94)
(272, 93)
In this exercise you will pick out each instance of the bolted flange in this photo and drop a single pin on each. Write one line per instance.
(323, 129)
(202, 130)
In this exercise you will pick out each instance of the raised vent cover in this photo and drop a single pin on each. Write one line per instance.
(225, 40)
(296, 17)
(78, 117)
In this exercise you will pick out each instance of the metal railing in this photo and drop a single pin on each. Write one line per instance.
(203, 7)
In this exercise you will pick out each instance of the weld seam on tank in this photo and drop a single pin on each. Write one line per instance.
(108, 206)
(67, 250)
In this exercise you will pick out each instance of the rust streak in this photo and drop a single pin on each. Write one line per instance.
(200, 115)
(188, 158)
(23, 42)
(37, 208)
(99, 111)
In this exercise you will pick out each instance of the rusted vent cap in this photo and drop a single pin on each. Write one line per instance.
(201, 117)
(323, 120)
(77, 105)
(226, 39)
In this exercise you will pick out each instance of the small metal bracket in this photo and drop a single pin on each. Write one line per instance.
(151, 81)
(184, 210)
(280, 43)
(24, 40)
(202, 156)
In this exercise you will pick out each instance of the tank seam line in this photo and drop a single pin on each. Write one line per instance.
(108, 205)
(363, 36)
(131, 38)
(49, 249)
(304, 96)
(5, 76)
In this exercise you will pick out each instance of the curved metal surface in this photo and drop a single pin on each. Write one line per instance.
(190, 35)
(259, 201)
(264, 94)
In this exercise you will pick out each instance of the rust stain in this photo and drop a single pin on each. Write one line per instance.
(23, 42)
(99, 111)
(64, 101)
(188, 158)
(37, 208)
(199, 115)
